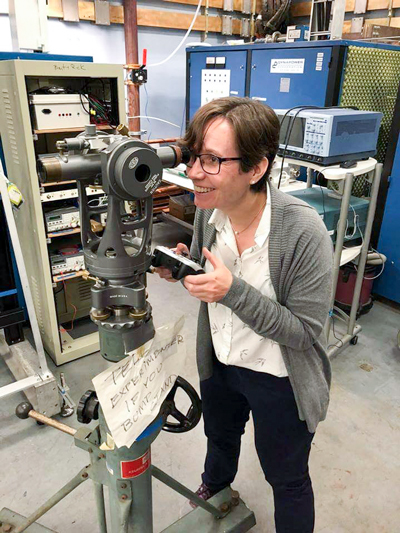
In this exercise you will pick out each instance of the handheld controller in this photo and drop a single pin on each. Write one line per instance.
(179, 265)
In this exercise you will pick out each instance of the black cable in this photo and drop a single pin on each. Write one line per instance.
(83, 107)
(322, 192)
(59, 290)
(289, 131)
(97, 104)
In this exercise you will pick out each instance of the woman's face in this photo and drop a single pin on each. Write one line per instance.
(227, 189)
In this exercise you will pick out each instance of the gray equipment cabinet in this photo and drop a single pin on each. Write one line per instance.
(22, 143)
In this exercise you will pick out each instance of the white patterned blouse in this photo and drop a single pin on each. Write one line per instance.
(235, 343)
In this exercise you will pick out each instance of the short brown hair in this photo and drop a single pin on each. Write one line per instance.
(256, 128)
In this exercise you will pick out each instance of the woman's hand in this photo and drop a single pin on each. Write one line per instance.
(213, 286)
(164, 273)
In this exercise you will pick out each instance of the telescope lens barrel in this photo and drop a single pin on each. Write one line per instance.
(49, 169)
(86, 166)
(74, 167)
(172, 156)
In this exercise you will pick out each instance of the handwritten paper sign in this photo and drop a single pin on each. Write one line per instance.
(131, 391)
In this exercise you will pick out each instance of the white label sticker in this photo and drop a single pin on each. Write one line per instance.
(294, 34)
(235, 92)
(286, 66)
(285, 85)
(259, 98)
(320, 60)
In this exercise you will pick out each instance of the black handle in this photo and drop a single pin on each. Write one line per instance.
(192, 417)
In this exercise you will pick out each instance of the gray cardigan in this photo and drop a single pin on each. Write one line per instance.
(300, 260)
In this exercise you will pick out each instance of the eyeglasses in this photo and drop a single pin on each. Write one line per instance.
(211, 164)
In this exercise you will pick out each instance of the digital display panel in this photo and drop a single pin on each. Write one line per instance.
(292, 131)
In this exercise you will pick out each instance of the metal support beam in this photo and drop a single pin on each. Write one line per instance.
(181, 489)
(19, 386)
(364, 249)
(341, 231)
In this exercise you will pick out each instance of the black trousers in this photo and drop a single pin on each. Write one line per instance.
(282, 440)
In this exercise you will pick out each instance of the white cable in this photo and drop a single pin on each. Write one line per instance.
(183, 40)
(102, 201)
(376, 251)
(355, 225)
(383, 265)
(155, 118)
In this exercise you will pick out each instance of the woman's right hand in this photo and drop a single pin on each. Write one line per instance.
(164, 273)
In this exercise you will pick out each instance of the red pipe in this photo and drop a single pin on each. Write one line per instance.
(132, 58)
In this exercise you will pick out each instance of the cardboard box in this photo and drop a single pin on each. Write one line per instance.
(182, 207)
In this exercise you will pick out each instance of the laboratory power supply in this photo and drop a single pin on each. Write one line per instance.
(62, 219)
(64, 262)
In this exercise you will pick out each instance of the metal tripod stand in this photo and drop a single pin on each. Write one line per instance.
(127, 170)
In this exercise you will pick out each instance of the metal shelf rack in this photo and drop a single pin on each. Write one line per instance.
(21, 144)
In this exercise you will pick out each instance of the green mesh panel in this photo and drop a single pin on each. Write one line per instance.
(371, 81)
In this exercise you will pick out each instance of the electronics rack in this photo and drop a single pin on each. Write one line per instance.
(22, 143)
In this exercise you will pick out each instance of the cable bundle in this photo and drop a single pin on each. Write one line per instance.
(274, 16)
(97, 109)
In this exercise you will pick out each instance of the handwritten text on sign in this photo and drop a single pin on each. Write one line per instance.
(131, 392)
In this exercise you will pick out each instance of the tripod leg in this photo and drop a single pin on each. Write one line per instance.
(100, 505)
(181, 489)
(57, 497)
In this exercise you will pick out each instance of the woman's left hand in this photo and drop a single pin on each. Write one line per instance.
(213, 286)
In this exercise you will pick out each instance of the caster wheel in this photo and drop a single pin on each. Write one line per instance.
(354, 340)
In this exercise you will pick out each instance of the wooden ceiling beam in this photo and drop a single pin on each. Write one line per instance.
(217, 4)
(303, 9)
(147, 17)
(395, 23)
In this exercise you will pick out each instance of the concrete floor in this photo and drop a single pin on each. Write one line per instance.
(355, 462)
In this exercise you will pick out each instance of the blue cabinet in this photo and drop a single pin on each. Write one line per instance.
(288, 77)
(234, 61)
(282, 75)
(388, 285)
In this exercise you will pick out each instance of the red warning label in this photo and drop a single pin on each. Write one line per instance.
(130, 469)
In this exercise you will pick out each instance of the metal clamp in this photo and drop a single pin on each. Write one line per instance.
(228, 5)
(246, 7)
(226, 25)
(245, 27)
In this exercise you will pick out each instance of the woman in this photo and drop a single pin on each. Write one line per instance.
(264, 301)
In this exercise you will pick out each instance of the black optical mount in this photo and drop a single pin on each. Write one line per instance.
(127, 170)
